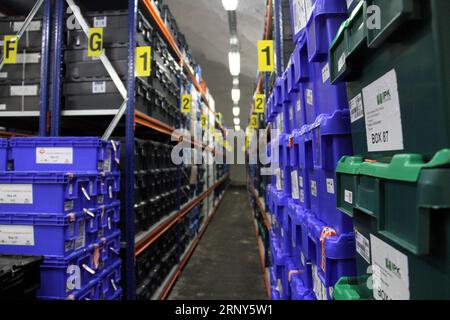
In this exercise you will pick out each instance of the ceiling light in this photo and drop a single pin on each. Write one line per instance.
(234, 60)
(230, 5)
(235, 82)
(236, 111)
(236, 95)
(237, 128)
(234, 41)
(237, 121)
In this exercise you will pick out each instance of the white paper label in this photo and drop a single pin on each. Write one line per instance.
(24, 91)
(330, 186)
(390, 272)
(300, 182)
(54, 155)
(279, 185)
(299, 7)
(33, 26)
(3, 75)
(294, 180)
(16, 235)
(309, 9)
(382, 113)
(309, 97)
(326, 73)
(341, 61)
(302, 195)
(362, 246)
(28, 58)
(319, 288)
(348, 196)
(16, 193)
(291, 114)
(299, 105)
(100, 22)
(314, 188)
(98, 87)
(356, 108)
(2, 106)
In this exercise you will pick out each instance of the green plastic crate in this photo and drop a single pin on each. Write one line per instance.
(401, 209)
(352, 289)
(398, 77)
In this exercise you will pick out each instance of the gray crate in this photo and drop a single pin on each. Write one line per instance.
(19, 97)
(31, 39)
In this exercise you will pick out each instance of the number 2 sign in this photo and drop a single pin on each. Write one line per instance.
(266, 61)
(259, 103)
(186, 103)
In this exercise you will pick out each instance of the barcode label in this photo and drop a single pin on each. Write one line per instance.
(348, 196)
(326, 73)
(19, 91)
(362, 246)
(98, 87)
(341, 61)
(356, 108)
(313, 188)
(309, 97)
(33, 26)
(100, 22)
(330, 186)
(28, 58)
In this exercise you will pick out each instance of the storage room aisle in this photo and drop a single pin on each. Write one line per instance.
(226, 263)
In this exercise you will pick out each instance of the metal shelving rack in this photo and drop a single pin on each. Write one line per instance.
(53, 19)
(18, 117)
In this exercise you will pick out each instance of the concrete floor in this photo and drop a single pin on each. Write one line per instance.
(226, 263)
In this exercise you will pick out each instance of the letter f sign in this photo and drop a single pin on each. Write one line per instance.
(10, 45)
(95, 42)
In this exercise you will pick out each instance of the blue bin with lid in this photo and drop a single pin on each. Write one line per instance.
(301, 11)
(44, 234)
(90, 293)
(327, 16)
(110, 249)
(63, 276)
(286, 98)
(109, 188)
(334, 256)
(24, 192)
(305, 73)
(70, 154)
(331, 140)
(109, 219)
(295, 89)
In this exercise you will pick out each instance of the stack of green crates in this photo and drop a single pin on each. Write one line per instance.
(397, 186)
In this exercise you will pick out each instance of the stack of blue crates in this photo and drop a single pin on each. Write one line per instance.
(312, 242)
(59, 199)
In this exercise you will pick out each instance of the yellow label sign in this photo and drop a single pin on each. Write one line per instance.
(260, 103)
(204, 121)
(186, 103)
(266, 60)
(143, 61)
(10, 45)
(95, 47)
(254, 122)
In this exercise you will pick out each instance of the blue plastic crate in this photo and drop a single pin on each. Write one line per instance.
(47, 234)
(65, 154)
(4, 145)
(280, 204)
(334, 257)
(299, 291)
(331, 140)
(295, 90)
(279, 260)
(24, 192)
(62, 277)
(300, 13)
(303, 148)
(89, 293)
(110, 282)
(289, 123)
(327, 17)
(304, 78)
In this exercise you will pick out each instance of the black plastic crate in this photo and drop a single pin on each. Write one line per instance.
(20, 97)
(31, 39)
(19, 277)
(26, 68)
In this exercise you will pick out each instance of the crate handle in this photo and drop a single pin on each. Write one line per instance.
(86, 195)
(91, 271)
(89, 213)
(113, 283)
